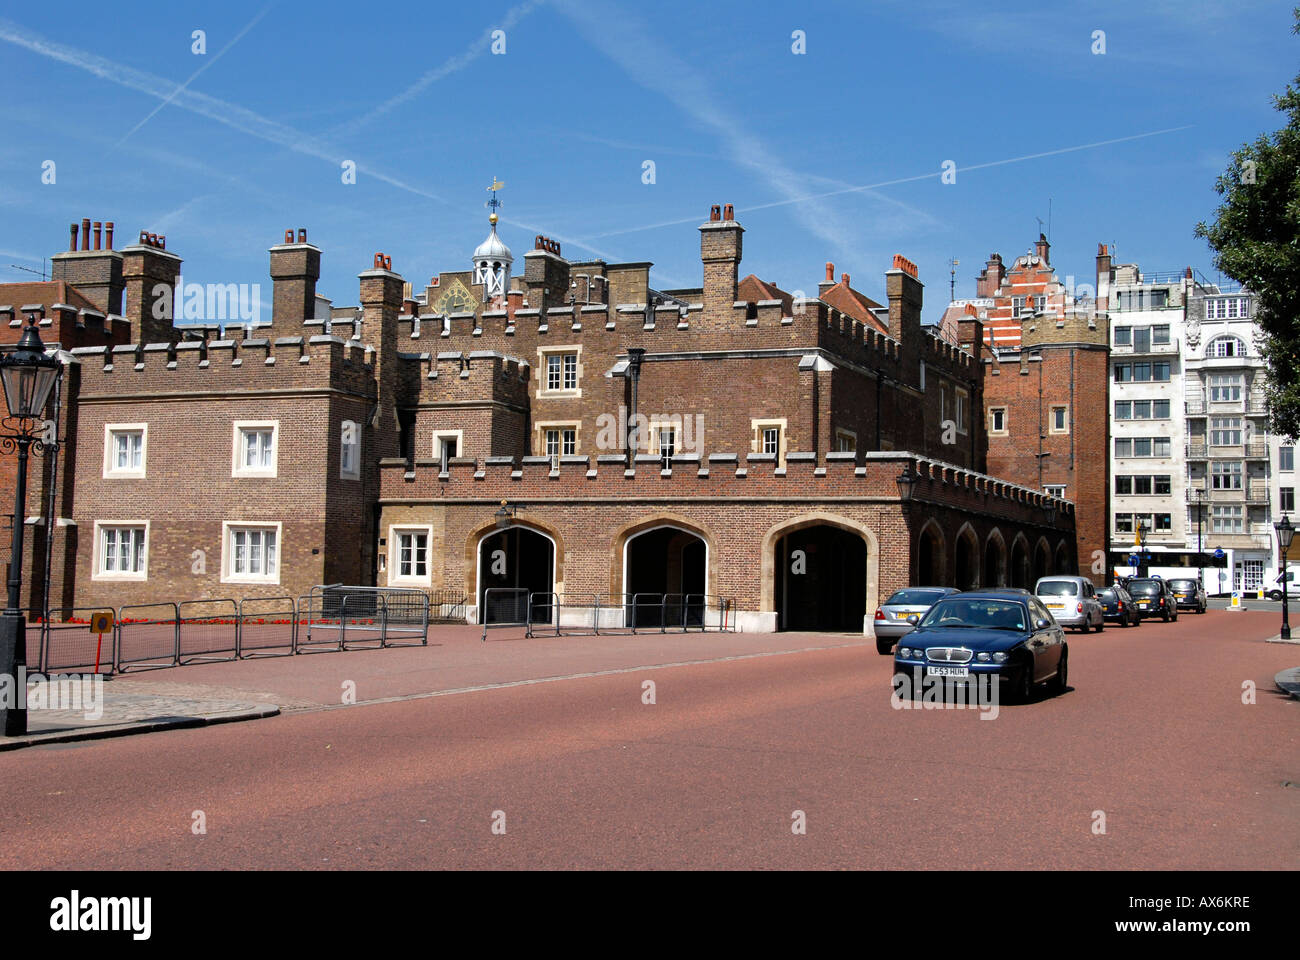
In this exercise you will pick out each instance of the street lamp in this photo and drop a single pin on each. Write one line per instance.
(28, 377)
(507, 512)
(1284, 534)
(1142, 549)
(1197, 496)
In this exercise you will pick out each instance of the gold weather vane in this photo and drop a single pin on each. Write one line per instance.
(494, 203)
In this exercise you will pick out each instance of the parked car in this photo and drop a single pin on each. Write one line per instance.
(997, 633)
(891, 621)
(1190, 594)
(1117, 604)
(1072, 601)
(1153, 596)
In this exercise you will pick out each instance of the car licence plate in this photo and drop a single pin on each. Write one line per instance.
(904, 614)
(950, 671)
(1056, 606)
(1142, 603)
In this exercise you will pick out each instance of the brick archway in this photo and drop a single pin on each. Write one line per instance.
(967, 572)
(644, 525)
(930, 545)
(480, 533)
(995, 559)
(767, 605)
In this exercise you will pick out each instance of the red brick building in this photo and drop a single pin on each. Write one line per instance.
(728, 440)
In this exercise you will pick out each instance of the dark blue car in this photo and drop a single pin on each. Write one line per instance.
(999, 634)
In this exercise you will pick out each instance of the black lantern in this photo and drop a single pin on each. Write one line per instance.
(28, 376)
(906, 481)
(1284, 534)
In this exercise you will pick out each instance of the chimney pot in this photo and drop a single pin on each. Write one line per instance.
(728, 212)
(98, 228)
(830, 272)
(108, 234)
(715, 213)
(85, 233)
(844, 279)
(302, 234)
(72, 242)
(162, 241)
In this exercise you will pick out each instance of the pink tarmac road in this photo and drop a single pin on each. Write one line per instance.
(1153, 735)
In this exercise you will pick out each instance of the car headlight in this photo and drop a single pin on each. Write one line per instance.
(904, 653)
(999, 657)
(982, 657)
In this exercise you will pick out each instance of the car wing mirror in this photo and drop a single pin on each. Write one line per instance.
(1040, 624)
(913, 618)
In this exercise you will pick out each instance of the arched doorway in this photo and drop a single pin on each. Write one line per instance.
(521, 558)
(966, 560)
(1042, 561)
(665, 577)
(995, 561)
(1063, 559)
(821, 575)
(929, 558)
(1020, 563)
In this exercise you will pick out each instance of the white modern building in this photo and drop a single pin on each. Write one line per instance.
(1193, 465)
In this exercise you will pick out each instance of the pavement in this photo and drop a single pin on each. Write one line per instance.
(1171, 750)
(456, 660)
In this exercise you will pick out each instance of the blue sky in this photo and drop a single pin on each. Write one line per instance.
(586, 92)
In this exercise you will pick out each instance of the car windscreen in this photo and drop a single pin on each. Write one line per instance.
(1144, 588)
(976, 613)
(1057, 588)
(922, 598)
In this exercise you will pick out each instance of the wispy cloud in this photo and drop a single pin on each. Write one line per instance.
(195, 75)
(446, 69)
(932, 175)
(223, 112)
(620, 35)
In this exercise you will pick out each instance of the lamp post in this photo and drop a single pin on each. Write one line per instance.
(1197, 496)
(1142, 549)
(1284, 534)
(635, 356)
(28, 377)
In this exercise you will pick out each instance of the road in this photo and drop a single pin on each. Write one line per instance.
(581, 773)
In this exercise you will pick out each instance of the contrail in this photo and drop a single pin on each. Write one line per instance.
(239, 36)
(890, 183)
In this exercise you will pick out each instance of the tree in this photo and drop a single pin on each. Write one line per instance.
(1255, 237)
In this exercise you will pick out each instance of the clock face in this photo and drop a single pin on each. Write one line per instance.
(455, 299)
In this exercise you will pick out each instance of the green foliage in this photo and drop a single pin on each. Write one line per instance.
(1255, 237)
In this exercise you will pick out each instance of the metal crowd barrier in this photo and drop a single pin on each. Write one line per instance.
(506, 607)
(148, 642)
(66, 643)
(446, 606)
(209, 631)
(268, 632)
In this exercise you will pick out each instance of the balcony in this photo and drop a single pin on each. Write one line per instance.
(1255, 450)
(1145, 350)
(1253, 493)
(1252, 407)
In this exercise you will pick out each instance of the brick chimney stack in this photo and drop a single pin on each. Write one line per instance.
(96, 273)
(991, 277)
(905, 298)
(1103, 279)
(149, 275)
(1042, 248)
(720, 249)
(295, 268)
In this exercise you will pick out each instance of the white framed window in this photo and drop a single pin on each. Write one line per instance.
(561, 371)
(769, 436)
(447, 444)
(1225, 431)
(667, 442)
(1225, 387)
(1226, 347)
(1225, 518)
(256, 452)
(1018, 307)
(1055, 490)
(409, 562)
(1226, 475)
(556, 439)
(121, 550)
(846, 441)
(250, 552)
(1059, 421)
(998, 420)
(125, 446)
(350, 451)
(962, 404)
(1286, 459)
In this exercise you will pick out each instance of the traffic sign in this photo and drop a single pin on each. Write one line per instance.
(101, 622)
